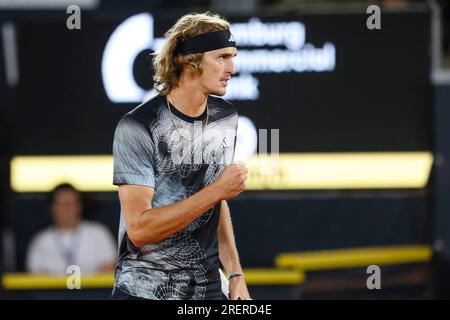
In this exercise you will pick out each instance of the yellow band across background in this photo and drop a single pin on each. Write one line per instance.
(25, 281)
(354, 257)
(288, 171)
(253, 276)
(43, 173)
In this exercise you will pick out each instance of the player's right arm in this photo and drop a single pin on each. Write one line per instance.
(147, 225)
(133, 152)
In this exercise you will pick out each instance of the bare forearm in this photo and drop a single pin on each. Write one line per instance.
(230, 258)
(228, 253)
(156, 224)
(147, 225)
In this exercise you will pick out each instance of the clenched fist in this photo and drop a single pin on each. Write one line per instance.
(231, 180)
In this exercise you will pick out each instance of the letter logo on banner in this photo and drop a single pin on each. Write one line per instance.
(131, 37)
(136, 34)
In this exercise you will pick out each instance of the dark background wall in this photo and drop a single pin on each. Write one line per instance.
(372, 101)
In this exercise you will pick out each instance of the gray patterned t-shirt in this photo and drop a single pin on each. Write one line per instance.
(165, 149)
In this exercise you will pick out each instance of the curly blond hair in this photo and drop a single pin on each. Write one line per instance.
(169, 66)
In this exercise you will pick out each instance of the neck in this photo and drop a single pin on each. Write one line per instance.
(66, 227)
(188, 98)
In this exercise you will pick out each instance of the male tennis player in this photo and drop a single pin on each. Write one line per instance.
(173, 165)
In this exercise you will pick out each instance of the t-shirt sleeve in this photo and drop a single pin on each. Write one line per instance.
(133, 153)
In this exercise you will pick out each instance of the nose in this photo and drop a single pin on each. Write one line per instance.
(231, 68)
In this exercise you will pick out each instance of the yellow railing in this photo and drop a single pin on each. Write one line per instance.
(354, 258)
(287, 171)
(254, 276)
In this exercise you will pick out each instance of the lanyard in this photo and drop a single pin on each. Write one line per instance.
(68, 254)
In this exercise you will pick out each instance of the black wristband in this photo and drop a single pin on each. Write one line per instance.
(235, 274)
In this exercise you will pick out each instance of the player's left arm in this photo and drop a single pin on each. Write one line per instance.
(228, 254)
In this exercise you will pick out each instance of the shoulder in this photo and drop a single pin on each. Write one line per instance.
(138, 120)
(144, 113)
(148, 110)
(43, 236)
(95, 232)
(93, 227)
(221, 108)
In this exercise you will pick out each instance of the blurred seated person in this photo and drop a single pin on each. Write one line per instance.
(71, 240)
